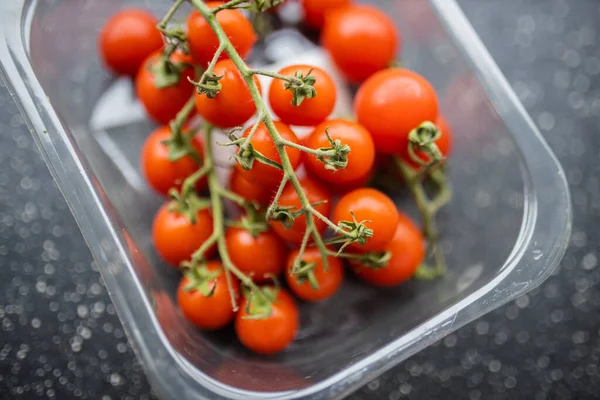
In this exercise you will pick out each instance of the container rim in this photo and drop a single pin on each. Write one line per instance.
(534, 257)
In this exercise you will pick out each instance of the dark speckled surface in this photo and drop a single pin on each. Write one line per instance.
(60, 336)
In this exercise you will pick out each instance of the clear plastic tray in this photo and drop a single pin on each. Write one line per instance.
(504, 233)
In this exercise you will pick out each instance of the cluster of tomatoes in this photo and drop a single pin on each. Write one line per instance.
(390, 103)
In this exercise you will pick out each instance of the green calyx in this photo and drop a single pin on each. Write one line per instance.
(259, 303)
(302, 87)
(201, 279)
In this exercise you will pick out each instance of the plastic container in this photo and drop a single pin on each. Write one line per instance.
(504, 233)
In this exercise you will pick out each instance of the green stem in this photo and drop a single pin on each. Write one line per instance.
(248, 140)
(315, 152)
(427, 211)
(216, 191)
(275, 75)
(229, 5)
(163, 23)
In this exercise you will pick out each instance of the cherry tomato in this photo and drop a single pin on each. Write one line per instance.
(207, 304)
(176, 238)
(204, 43)
(328, 281)
(343, 188)
(128, 38)
(244, 249)
(233, 105)
(372, 206)
(272, 334)
(250, 190)
(444, 143)
(161, 173)
(315, 10)
(162, 105)
(316, 194)
(408, 252)
(361, 39)
(310, 112)
(264, 174)
(393, 102)
(360, 158)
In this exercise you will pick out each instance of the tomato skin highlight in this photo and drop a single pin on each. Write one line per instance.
(176, 238)
(312, 111)
(329, 281)
(208, 312)
(316, 194)
(161, 173)
(233, 105)
(408, 253)
(361, 39)
(162, 105)
(127, 39)
(373, 206)
(263, 174)
(315, 11)
(260, 257)
(273, 334)
(203, 42)
(360, 159)
(380, 99)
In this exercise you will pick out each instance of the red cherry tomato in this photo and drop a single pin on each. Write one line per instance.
(176, 238)
(233, 105)
(249, 190)
(162, 105)
(316, 194)
(393, 102)
(407, 248)
(204, 43)
(373, 206)
(315, 10)
(244, 250)
(163, 174)
(328, 281)
(208, 304)
(361, 40)
(128, 38)
(272, 334)
(360, 158)
(444, 143)
(264, 174)
(310, 112)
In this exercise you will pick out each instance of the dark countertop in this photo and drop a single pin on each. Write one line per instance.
(61, 337)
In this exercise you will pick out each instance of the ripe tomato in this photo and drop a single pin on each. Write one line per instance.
(360, 158)
(244, 249)
(316, 193)
(162, 105)
(264, 174)
(204, 43)
(176, 238)
(233, 105)
(329, 281)
(161, 173)
(248, 189)
(315, 10)
(204, 309)
(373, 206)
(408, 252)
(444, 143)
(361, 40)
(127, 39)
(272, 334)
(393, 102)
(310, 112)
